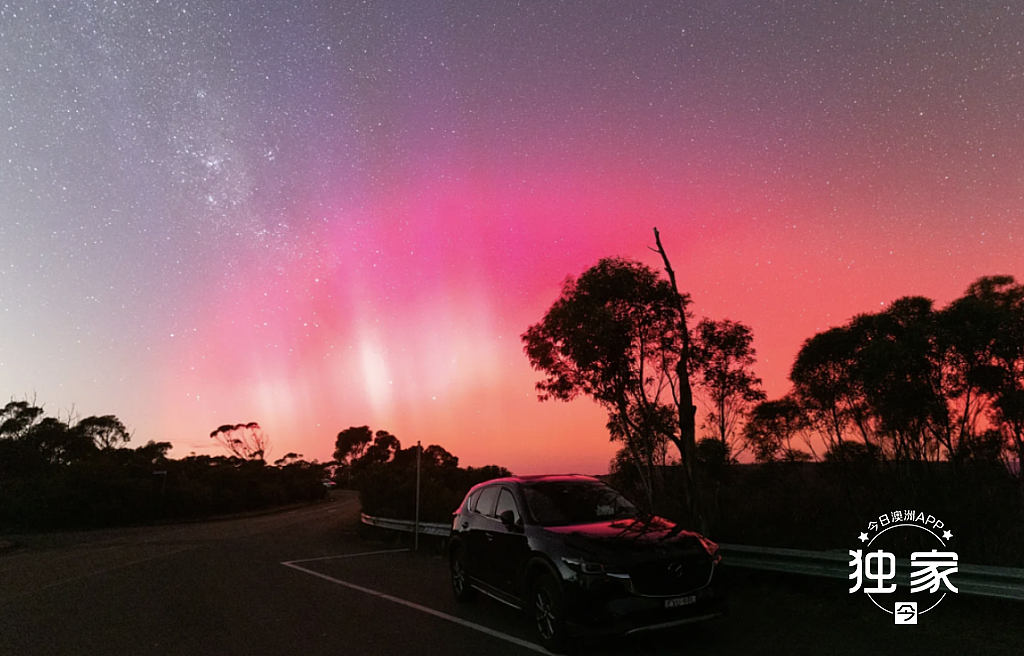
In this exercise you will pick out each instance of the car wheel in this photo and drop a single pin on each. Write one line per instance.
(548, 609)
(461, 588)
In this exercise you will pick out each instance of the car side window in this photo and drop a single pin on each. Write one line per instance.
(507, 502)
(488, 497)
(471, 502)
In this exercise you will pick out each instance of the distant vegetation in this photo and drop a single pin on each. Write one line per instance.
(59, 473)
(385, 475)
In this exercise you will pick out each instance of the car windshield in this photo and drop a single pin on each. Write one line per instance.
(564, 503)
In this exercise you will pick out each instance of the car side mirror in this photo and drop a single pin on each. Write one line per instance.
(508, 518)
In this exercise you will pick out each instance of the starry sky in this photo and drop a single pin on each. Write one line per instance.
(317, 215)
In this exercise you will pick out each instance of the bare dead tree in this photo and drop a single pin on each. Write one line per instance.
(682, 395)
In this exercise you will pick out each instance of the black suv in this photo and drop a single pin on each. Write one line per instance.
(580, 558)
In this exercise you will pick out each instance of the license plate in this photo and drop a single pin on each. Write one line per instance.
(680, 601)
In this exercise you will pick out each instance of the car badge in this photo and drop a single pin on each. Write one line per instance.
(676, 569)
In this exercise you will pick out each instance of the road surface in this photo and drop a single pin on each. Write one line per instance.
(307, 581)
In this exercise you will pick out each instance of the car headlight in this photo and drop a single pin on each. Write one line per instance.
(584, 566)
(711, 548)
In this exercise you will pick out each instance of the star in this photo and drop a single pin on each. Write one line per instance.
(864, 537)
(947, 535)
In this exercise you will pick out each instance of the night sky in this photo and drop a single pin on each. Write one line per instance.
(317, 215)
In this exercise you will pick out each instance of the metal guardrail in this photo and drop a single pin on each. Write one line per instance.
(408, 526)
(831, 564)
(978, 580)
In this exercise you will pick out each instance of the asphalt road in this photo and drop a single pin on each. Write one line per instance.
(305, 581)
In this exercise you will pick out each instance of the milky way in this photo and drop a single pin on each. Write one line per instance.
(331, 214)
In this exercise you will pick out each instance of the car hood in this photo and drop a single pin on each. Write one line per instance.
(643, 535)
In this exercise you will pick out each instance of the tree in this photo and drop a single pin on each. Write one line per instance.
(997, 302)
(245, 441)
(17, 417)
(824, 387)
(618, 334)
(682, 394)
(106, 432)
(289, 458)
(917, 384)
(57, 443)
(153, 452)
(607, 337)
(899, 379)
(351, 443)
(437, 456)
(385, 446)
(771, 428)
(31, 442)
(858, 453)
(724, 356)
(645, 439)
(877, 380)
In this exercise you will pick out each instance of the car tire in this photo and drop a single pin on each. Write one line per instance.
(461, 588)
(547, 610)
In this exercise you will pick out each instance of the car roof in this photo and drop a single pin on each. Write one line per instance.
(548, 478)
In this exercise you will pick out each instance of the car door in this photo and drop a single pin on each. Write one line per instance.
(478, 546)
(507, 543)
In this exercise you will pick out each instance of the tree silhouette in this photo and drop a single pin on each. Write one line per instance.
(771, 428)
(914, 383)
(437, 456)
(351, 443)
(106, 432)
(682, 394)
(824, 385)
(607, 337)
(245, 441)
(58, 444)
(385, 446)
(17, 417)
(618, 335)
(724, 356)
(31, 442)
(997, 305)
(899, 380)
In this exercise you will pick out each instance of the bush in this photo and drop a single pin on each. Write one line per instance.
(821, 506)
(115, 487)
(389, 489)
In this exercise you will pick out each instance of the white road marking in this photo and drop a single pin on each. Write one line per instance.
(410, 604)
(361, 553)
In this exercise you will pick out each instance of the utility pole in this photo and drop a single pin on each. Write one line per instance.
(416, 532)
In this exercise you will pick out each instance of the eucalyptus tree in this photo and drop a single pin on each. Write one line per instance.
(825, 386)
(351, 443)
(618, 334)
(609, 336)
(723, 359)
(245, 441)
(771, 428)
(106, 432)
(992, 348)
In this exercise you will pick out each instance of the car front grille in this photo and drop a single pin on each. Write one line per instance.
(673, 576)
